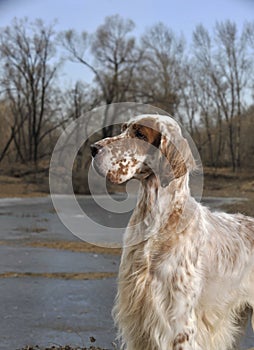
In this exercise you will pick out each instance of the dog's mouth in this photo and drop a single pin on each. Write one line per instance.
(97, 167)
(112, 176)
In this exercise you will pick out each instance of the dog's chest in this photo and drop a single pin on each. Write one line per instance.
(166, 265)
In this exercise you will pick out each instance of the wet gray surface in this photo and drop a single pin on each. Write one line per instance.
(47, 311)
(44, 260)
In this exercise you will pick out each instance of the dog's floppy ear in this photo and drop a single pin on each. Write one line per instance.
(175, 159)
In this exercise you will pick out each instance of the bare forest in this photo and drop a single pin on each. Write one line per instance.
(206, 84)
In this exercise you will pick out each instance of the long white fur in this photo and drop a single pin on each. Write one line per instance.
(184, 279)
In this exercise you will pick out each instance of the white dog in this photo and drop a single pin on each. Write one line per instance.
(186, 273)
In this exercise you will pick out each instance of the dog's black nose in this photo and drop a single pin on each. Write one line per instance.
(95, 149)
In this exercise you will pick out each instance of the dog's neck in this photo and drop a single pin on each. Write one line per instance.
(159, 207)
(164, 201)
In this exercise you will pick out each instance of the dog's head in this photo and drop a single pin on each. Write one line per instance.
(148, 145)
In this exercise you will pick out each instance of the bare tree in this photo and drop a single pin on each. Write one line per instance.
(28, 72)
(224, 64)
(77, 102)
(234, 65)
(160, 68)
(114, 58)
(187, 109)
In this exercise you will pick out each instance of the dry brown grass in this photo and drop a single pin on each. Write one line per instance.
(224, 183)
(11, 187)
(61, 275)
(77, 246)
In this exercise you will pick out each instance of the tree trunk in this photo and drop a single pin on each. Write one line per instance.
(231, 145)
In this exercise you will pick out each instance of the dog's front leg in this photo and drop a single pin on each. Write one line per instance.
(187, 288)
(186, 332)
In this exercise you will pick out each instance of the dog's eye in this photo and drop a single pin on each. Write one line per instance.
(140, 135)
(124, 127)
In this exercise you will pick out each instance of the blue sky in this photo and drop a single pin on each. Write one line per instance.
(181, 15)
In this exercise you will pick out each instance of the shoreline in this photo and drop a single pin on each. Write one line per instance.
(223, 184)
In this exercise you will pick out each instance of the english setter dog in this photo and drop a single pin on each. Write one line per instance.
(186, 273)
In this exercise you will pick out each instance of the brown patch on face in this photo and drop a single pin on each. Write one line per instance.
(123, 168)
(146, 130)
(129, 141)
(114, 176)
(117, 148)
